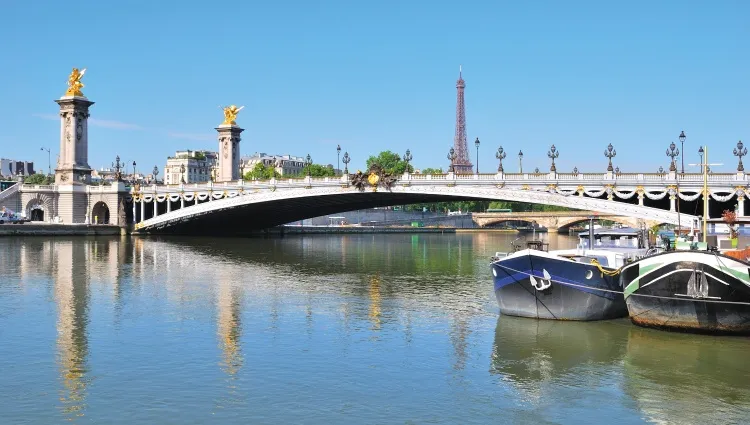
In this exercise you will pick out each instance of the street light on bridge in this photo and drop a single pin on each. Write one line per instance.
(682, 138)
(407, 159)
(520, 162)
(155, 172)
(552, 154)
(610, 153)
(452, 157)
(308, 164)
(338, 158)
(346, 162)
(49, 161)
(182, 173)
(500, 155)
(673, 152)
(739, 152)
(476, 143)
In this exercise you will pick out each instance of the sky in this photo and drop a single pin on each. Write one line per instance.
(374, 76)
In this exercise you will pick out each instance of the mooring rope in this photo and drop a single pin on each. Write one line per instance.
(575, 285)
(604, 271)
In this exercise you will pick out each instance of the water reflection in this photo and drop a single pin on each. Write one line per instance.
(687, 379)
(229, 329)
(535, 355)
(72, 297)
(374, 294)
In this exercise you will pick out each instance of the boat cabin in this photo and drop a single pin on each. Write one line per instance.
(624, 237)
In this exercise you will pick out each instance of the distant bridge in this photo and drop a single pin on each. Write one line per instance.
(233, 207)
(558, 220)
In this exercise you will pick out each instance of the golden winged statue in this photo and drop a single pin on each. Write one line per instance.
(230, 114)
(74, 83)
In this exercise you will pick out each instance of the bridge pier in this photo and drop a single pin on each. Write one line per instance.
(143, 210)
(741, 206)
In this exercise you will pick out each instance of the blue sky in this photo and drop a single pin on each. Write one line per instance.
(381, 75)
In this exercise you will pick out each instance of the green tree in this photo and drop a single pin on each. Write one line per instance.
(429, 170)
(37, 179)
(390, 162)
(317, 170)
(261, 172)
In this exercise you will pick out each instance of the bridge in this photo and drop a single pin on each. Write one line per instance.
(243, 205)
(556, 221)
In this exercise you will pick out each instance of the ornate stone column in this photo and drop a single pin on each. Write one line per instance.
(73, 166)
(741, 206)
(229, 146)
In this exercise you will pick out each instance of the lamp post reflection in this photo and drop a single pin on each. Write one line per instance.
(229, 326)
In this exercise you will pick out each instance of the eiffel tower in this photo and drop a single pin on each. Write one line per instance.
(462, 164)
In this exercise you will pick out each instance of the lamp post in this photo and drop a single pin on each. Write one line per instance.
(500, 155)
(610, 153)
(407, 159)
(739, 152)
(308, 164)
(338, 158)
(134, 178)
(452, 157)
(682, 138)
(49, 161)
(476, 143)
(346, 162)
(520, 162)
(155, 172)
(672, 152)
(552, 154)
(182, 173)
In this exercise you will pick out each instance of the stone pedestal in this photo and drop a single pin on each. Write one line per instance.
(73, 164)
(229, 153)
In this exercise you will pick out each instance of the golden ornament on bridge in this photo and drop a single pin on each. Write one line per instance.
(74, 83)
(373, 179)
(230, 114)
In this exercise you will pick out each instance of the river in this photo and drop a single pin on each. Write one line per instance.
(326, 329)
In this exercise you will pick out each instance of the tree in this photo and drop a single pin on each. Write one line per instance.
(37, 179)
(429, 170)
(390, 163)
(317, 170)
(261, 172)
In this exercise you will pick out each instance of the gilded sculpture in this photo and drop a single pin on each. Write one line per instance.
(74, 83)
(230, 114)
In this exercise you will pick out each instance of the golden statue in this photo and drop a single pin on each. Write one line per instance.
(230, 114)
(74, 83)
(373, 179)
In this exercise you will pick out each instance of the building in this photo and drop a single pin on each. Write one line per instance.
(190, 167)
(286, 165)
(11, 167)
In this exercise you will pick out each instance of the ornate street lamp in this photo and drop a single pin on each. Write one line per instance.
(610, 153)
(661, 170)
(308, 164)
(155, 172)
(617, 170)
(520, 162)
(182, 173)
(536, 170)
(552, 154)
(476, 143)
(673, 152)
(338, 156)
(407, 159)
(682, 138)
(500, 155)
(575, 171)
(452, 157)
(739, 152)
(346, 162)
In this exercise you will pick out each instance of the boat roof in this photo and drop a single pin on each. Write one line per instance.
(623, 231)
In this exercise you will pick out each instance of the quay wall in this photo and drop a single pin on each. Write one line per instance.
(30, 229)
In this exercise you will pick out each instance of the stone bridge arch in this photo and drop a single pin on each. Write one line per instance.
(39, 208)
(232, 210)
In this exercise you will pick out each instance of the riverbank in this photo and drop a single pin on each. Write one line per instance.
(293, 230)
(51, 229)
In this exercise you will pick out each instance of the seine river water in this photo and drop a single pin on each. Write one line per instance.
(400, 329)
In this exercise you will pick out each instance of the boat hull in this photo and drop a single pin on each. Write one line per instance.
(576, 291)
(689, 291)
